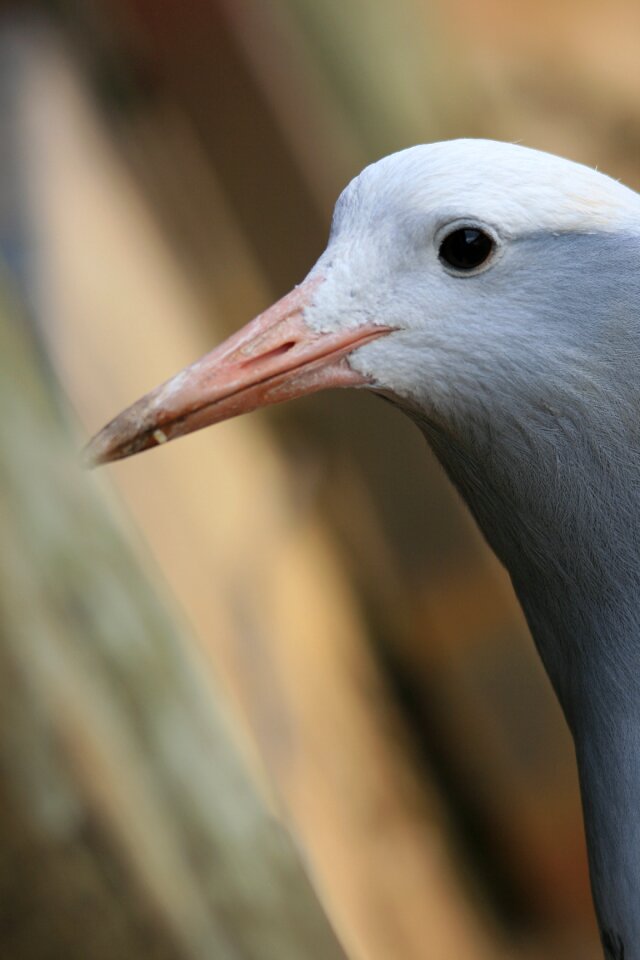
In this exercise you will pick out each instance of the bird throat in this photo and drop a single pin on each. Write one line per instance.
(572, 549)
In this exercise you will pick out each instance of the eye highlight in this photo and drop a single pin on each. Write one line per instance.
(466, 248)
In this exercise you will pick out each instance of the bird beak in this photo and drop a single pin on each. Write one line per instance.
(275, 357)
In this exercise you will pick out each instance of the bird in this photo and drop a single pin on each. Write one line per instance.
(492, 292)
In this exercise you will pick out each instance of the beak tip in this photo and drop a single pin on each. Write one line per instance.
(120, 439)
(95, 453)
(107, 445)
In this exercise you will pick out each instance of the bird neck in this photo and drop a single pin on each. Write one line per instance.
(590, 645)
(567, 527)
(608, 755)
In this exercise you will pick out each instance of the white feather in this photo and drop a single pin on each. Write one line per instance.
(515, 188)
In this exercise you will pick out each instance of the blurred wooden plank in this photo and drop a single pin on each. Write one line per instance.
(129, 828)
(493, 693)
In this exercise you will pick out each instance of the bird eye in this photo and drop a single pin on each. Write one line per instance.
(466, 248)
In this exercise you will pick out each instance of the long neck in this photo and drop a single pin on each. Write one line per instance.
(597, 655)
(607, 754)
(569, 534)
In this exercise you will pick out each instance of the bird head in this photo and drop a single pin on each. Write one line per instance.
(470, 281)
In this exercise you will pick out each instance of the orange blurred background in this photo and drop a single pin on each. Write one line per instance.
(167, 170)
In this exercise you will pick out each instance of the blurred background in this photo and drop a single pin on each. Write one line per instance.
(168, 169)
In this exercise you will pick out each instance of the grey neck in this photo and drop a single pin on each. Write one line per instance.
(599, 667)
(608, 755)
(573, 551)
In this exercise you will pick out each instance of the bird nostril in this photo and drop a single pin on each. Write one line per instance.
(278, 351)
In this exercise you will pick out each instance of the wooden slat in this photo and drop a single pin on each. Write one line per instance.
(129, 827)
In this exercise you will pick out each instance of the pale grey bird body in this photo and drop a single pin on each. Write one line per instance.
(493, 292)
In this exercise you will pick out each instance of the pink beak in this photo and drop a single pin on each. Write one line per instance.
(274, 357)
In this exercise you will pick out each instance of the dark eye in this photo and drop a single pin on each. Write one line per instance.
(466, 248)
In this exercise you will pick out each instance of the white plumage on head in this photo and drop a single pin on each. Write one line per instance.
(515, 187)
